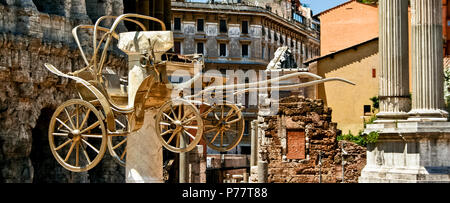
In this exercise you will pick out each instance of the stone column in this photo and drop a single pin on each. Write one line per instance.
(393, 49)
(427, 61)
(144, 153)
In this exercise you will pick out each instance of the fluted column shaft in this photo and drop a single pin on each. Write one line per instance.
(394, 59)
(427, 60)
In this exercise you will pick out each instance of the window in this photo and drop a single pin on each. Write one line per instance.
(177, 47)
(200, 48)
(244, 27)
(374, 73)
(223, 50)
(200, 25)
(245, 50)
(223, 26)
(177, 24)
(367, 109)
(262, 52)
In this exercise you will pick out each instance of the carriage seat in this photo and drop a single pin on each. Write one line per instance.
(145, 42)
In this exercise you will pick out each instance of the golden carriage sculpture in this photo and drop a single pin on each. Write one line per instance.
(109, 109)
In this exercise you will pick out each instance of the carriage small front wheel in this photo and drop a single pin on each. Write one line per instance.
(77, 135)
(179, 125)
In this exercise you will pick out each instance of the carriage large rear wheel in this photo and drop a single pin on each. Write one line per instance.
(177, 122)
(223, 126)
(77, 135)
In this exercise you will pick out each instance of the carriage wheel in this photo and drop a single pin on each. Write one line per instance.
(224, 127)
(117, 144)
(179, 121)
(77, 135)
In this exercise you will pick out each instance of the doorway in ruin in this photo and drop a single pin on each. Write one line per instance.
(55, 7)
(46, 168)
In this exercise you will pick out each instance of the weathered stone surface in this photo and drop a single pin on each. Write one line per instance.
(29, 93)
(299, 114)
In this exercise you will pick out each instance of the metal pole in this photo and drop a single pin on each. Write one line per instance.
(254, 144)
(320, 167)
(183, 172)
(343, 168)
(343, 153)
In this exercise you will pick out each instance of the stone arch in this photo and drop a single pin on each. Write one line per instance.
(46, 168)
(55, 7)
(93, 9)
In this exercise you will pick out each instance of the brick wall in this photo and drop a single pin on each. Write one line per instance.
(306, 124)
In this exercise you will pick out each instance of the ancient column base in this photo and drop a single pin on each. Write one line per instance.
(383, 117)
(427, 115)
(408, 152)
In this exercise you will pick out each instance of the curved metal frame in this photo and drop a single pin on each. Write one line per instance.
(95, 66)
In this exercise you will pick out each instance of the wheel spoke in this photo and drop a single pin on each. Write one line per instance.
(85, 118)
(188, 120)
(179, 111)
(191, 127)
(62, 145)
(229, 114)
(187, 116)
(217, 117)
(166, 132)
(164, 123)
(92, 135)
(63, 124)
(60, 134)
(215, 136)
(173, 112)
(221, 138)
(78, 116)
(121, 143)
(123, 153)
(210, 130)
(62, 130)
(233, 121)
(171, 138)
(86, 154)
(70, 151)
(77, 157)
(222, 107)
(168, 117)
(70, 118)
(189, 134)
(205, 114)
(91, 127)
(92, 147)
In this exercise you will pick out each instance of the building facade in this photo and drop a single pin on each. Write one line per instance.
(243, 36)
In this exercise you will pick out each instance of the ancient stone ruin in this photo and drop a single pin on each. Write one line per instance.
(292, 140)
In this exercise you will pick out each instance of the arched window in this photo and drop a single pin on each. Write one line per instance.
(55, 7)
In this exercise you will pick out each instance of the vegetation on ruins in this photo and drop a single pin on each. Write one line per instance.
(361, 139)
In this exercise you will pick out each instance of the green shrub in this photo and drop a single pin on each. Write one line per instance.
(361, 139)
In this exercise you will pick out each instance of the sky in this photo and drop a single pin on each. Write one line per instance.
(316, 5)
(321, 5)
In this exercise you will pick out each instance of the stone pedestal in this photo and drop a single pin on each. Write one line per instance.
(144, 154)
(417, 149)
(408, 152)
